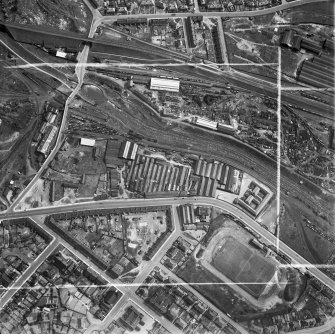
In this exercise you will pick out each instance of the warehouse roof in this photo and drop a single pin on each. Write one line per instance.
(170, 85)
(87, 142)
(128, 150)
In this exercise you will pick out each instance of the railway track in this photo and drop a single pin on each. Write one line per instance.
(212, 146)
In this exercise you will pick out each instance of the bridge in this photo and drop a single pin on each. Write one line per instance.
(75, 42)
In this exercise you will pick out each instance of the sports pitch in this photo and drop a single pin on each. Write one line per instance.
(237, 262)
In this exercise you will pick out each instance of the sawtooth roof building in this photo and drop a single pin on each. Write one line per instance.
(128, 150)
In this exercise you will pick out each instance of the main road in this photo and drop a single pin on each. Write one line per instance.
(297, 260)
(129, 290)
(80, 72)
(99, 19)
(27, 273)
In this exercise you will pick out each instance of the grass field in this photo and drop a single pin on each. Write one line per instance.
(240, 265)
(221, 295)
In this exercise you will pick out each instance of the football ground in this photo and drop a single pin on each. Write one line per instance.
(241, 265)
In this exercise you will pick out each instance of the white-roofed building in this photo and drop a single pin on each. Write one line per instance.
(60, 54)
(132, 245)
(128, 150)
(87, 142)
(206, 123)
(48, 137)
(169, 85)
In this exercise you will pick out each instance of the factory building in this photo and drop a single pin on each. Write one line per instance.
(254, 199)
(128, 150)
(51, 117)
(318, 73)
(49, 135)
(329, 45)
(296, 43)
(287, 38)
(291, 40)
(217, 45)
(216, 175)
(310, 46)
(186, 214)
(209, 169)
(230, 179)
(168, 85)
(207, 187)
(159, 22)
(61, 54)
(87, 142)
(151, 175)
(132, 21)
(205, 123)
(191, 35)
(226, 128)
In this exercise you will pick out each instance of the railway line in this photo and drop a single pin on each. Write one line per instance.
(222, 148)
(212, 145)
(30, 58)
(196, 70)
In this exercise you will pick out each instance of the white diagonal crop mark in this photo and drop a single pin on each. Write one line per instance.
(109, 285)
(128, 64)
(278, 144)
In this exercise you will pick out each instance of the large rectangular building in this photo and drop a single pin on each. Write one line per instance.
(205, 123)
(87, 142)
(49, 135)
(128, 150)
(169, 85)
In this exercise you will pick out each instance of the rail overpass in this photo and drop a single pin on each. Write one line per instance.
(51, 38)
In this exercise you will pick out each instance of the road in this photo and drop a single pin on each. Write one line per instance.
(29, 271)
(80, 72)
(129, 291)
(263, 87)
(112, 204)
(223, 45)
(283, 6)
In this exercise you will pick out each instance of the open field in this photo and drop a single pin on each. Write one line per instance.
(221, 295)
(295, 234)
(239, 264)
(78, 159)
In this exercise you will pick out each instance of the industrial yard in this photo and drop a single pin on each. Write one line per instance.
(176, 163)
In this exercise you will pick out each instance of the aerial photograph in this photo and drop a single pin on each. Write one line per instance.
(167, 166)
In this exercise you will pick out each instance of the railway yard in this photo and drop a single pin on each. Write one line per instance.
(194, 141)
